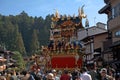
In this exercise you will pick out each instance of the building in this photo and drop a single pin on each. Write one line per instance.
(112, 10)
(6, 60)
(93, 38)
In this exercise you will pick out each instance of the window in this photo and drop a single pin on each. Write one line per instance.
(116, 11)
(113, 12)
(117, 34)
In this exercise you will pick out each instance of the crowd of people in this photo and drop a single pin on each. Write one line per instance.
(83, 73)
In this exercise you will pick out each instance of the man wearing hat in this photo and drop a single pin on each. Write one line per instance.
(104, 75)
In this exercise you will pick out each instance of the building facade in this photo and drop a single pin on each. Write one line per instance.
(93, 38)
(112, 10)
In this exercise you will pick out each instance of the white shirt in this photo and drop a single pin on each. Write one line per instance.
(85, 76)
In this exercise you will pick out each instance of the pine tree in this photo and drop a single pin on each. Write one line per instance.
(19, 44)
(34, 45)
(20, 61)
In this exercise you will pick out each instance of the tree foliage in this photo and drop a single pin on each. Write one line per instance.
(19, 60)
(24, 33)
(34, 45)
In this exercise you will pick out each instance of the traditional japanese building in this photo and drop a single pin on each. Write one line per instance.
(6, 61)
(93, 38)
(112, 10)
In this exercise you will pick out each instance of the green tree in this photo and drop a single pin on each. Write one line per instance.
(25, 24)
(19, 60)
(34, 44)
(19, 45)
(44, 31)
(16, 32)
(7, 29)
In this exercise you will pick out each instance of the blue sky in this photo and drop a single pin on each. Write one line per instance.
(45, 7)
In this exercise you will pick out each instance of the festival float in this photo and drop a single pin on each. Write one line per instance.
(64, 49)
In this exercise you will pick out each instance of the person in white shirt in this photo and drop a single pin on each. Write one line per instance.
(85, 75)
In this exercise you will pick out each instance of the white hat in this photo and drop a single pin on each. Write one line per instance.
(53, 70)
(103, 69)
(50, 76)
